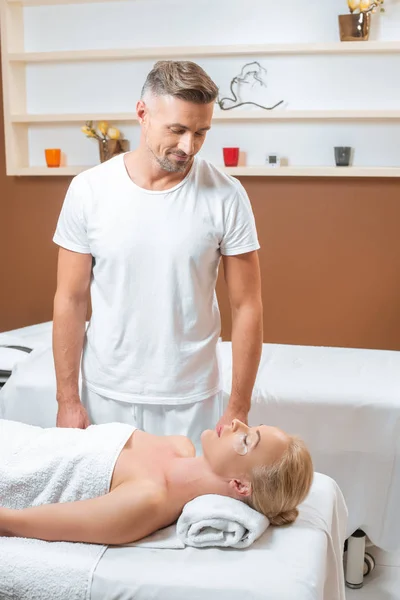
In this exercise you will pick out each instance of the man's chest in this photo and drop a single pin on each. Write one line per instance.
(154, 232)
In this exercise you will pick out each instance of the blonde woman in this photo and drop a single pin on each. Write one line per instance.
(111, 484)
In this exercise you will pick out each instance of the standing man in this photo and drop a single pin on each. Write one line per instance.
(145, 232)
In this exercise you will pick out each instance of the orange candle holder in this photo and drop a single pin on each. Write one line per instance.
(53, 157)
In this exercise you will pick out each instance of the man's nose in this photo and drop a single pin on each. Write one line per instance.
(186, 144)
(238, 425)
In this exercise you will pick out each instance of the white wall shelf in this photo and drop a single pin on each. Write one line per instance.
(230, 115)
(204, 51)
(247, 171)
(56, 2)
(314, 171)
(22, 129)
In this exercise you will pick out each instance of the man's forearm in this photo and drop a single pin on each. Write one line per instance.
(68, 334)
(247, 339)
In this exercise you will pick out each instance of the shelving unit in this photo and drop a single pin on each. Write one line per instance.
(56, 2)
(203, 51)
(231, 115)
(17, 120)
(248, 171)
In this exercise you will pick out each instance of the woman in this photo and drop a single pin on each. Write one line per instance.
(112, 484)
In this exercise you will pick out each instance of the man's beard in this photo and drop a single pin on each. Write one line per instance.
(168, 165)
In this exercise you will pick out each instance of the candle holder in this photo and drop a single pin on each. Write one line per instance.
(231, 157)
(53, 157)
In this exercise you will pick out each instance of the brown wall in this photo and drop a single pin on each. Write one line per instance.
(330, 257)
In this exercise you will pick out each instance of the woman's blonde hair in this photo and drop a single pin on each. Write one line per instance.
(279, 488)
(180, 78)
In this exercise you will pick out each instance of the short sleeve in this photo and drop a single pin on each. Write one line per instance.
(240, 234)
(71, 231)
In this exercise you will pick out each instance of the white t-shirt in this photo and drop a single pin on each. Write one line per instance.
(155, 322)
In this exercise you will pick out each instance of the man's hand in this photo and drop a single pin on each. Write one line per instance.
(230, 414)
(72, 414)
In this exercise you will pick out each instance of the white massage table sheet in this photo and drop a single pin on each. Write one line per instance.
(28, 337)
(32, 336)
(345, 403)
(300, 562)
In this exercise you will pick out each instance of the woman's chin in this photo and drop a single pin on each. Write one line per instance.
(206, 436)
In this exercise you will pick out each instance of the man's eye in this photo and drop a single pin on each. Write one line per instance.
(245, 440)
(177, 132)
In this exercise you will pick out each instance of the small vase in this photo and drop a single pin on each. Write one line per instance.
(110, 148)
(355, 27)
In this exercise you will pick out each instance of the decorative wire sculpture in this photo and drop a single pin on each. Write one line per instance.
(243, 78)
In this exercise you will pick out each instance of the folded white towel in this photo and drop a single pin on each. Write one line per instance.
(210, 521)
(214, 520)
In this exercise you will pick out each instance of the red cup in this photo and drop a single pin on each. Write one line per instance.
(231, 157)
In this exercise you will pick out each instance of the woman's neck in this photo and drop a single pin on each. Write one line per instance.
(188, 478)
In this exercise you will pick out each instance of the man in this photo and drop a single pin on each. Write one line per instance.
(146, 231)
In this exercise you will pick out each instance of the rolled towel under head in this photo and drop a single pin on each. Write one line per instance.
(219, 521)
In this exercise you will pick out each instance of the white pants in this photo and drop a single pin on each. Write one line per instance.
(158, 419)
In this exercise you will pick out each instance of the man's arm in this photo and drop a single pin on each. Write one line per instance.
(242, 276)
(125, 515)
(69, 319)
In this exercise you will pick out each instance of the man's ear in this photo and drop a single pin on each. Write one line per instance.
(141, 110)
(242, 489)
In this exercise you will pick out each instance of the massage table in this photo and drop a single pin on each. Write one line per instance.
(299, 562)
(345, 403)
(16, 345)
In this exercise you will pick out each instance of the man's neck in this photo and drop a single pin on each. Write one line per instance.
(146, 173)
(188, 478)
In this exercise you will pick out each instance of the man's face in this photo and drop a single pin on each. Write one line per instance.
(174, 130)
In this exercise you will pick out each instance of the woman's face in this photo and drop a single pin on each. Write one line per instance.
(238, 449)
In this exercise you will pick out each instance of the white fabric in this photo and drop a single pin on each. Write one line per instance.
(185, 419)
(41, 466)
(213, 520)
(210, 521)
(37, 570)
(165, 538)
(28, 337)
(29, 395)
(300, 562)
(9, 357)
(33, 336)
(155, 323)
(345, 403)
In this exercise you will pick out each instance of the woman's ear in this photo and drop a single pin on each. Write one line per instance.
(242, 489)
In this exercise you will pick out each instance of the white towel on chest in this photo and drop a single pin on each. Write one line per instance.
(42, 466)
